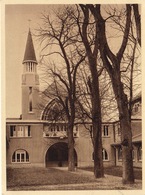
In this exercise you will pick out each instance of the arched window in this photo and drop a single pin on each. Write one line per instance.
(20, 156)
(104, 154)
(120, 153)
(139, 153)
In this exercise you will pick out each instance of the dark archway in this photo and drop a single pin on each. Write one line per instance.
(57, 155)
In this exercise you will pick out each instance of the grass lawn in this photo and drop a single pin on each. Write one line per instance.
(43, 176)
(61, 179)
(117, 171)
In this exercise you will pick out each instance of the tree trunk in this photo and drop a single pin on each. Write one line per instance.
(127, 163)
(96, 121)
(137, 21)
(98, 163)
(126, 133)
(95, 96)
(112, 64)
(71, 160)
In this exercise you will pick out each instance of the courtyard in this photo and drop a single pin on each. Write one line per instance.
(33, 179)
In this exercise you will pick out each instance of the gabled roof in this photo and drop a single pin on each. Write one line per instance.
(29, 51)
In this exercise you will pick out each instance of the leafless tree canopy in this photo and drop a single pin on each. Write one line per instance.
(91, 66)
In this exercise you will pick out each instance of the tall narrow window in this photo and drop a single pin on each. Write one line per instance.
(119, 153)
(13, 131)
(18, 157)
(27, 67)
(104, 154)
(13, 157)
(105, 130)
(30, 99)
(118, 129)
(29, 131)
(27, 157)
(20, 131)
(22, 157)
(31, 66)
(25, 131)
(140, 153)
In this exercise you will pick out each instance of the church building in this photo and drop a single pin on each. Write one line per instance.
(32, 140)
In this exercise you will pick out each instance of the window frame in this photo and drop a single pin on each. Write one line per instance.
(30, 99)
(139, 153)
(21, 131)
(20, 156)
(59, 131)
(119, 154)
(133, 154)
(12, 129)
(118, 129)
(104, 152)
(105, 131)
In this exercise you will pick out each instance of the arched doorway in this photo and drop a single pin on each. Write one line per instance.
(57, 155)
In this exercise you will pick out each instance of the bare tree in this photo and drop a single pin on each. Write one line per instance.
(60, 32)
(112, 63)
(137, 21)
(63, 34)
(130, 63)
(91, 46)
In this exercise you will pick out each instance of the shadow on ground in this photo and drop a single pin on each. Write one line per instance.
(33, 179)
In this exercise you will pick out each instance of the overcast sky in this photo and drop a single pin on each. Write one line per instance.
(16, 30)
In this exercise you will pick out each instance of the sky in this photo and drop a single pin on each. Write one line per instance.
(16, 30)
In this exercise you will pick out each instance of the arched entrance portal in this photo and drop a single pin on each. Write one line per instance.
(57, 155)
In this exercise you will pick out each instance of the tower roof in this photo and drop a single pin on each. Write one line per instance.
(29, 51)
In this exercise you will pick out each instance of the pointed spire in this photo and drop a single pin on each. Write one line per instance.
(29, 51)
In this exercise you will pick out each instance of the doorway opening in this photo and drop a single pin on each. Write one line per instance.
(57, 155)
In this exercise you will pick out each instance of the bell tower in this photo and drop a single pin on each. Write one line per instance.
(30, 82)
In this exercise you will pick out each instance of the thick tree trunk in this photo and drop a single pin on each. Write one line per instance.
(137, 21)
(96, 121)
(98, 163)
(127, 163)
(71, 159)
(112, 64)
(126, 133)
(95, 96)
